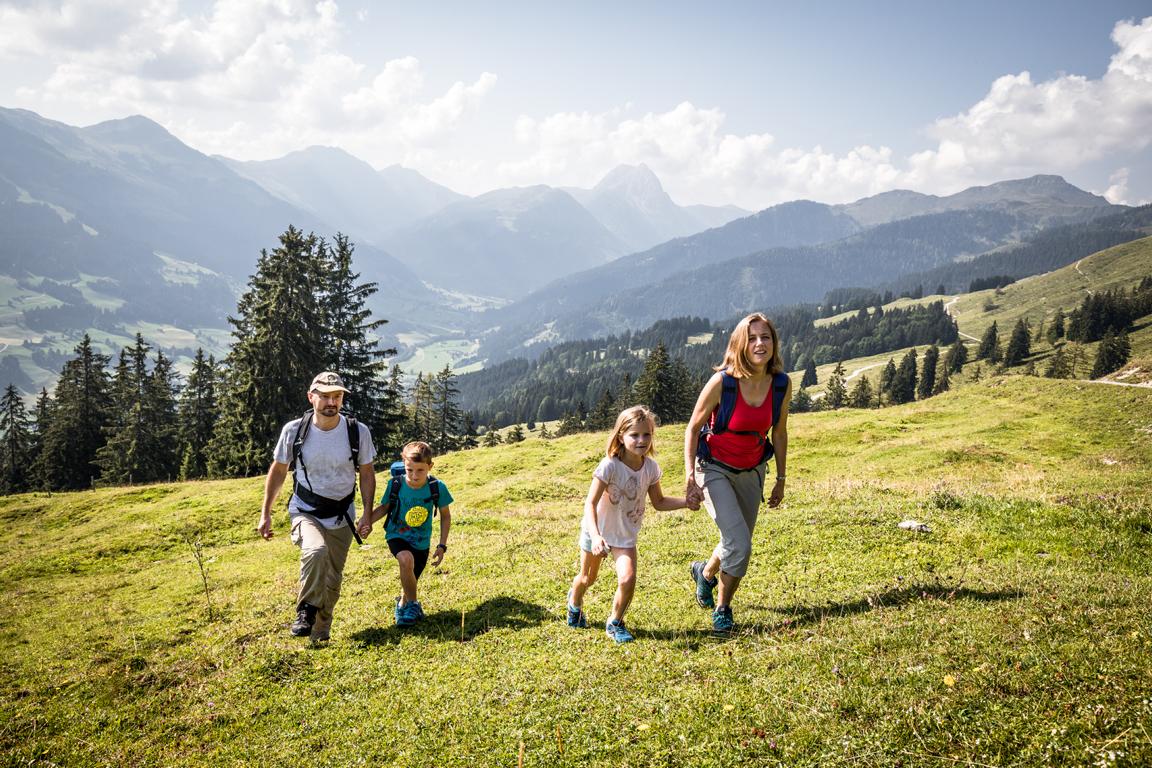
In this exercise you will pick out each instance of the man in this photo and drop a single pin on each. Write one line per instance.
(323, 505)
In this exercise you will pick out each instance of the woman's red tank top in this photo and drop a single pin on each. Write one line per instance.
(738, 450)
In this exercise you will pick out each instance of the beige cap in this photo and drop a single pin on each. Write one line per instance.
(327, 383)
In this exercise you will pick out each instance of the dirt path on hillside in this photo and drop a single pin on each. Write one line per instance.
(947, 310)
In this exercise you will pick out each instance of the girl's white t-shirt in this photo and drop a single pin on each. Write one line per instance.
(620, 510)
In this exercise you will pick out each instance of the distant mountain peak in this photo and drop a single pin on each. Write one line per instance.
(135, 128)
(635, 179)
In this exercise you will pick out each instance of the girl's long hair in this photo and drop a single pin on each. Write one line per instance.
(736, 360)
(626, 419)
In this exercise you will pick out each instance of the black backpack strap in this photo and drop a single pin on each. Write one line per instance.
(298, 442)
(393, 501)
(354, 440)
(434, 489)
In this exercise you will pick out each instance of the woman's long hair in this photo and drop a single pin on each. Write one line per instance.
(736, 360)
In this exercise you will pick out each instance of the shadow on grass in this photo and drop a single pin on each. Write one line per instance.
(801, 615)
(497, 613)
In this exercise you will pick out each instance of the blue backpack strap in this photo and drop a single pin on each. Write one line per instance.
(779, 391)
(728, 392)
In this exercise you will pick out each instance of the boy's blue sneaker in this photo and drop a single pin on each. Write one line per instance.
(576, 617)
(408, 614)
(722, 620)
(704, 586)
(616, 630)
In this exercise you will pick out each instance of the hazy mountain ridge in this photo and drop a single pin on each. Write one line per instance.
(347, 193)
(506, 242)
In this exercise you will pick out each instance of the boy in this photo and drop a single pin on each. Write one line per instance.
(408, 528)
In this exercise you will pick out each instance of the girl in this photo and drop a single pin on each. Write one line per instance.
(613, 512)
(729, 477)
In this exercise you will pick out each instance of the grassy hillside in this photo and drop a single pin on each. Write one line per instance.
(1015, 633)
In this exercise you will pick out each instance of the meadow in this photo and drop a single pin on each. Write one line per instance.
(147, 626)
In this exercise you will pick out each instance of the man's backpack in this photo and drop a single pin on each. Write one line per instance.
(723, 415)
(323, 506)
(393, 504)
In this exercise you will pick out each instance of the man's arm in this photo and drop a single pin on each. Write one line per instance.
(272, 485)
(367, 492)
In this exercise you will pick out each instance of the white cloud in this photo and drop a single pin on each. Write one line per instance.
(1018, 129)
(274, 69)
(1117, 191)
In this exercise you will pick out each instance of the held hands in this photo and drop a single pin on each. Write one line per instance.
(693, 494)
(364, 527)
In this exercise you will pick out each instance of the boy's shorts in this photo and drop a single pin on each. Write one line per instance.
(419, 556)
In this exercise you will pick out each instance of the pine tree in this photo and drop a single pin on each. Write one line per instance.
(660, 387)
(544, 433)
(352, 347)
(801, 401)
(944, 383)
(491, 439)
(887, 377)
(603, 414)
(1056, 329)
(80, 414)
(278, 346)
(422, 414)
(809, 379)
(16, 445)
(570, 425)
(1059, 366)
(835, 393)
(957, 356)
(904, 383)
(42, 418)
(861, 396)
(927, 382)
(196, 417)
(394, 418)
(515, 434)
(989, 345)
(1019, 344)
(470, 439)
(447, 417)
(1111, 354)
(120, 456)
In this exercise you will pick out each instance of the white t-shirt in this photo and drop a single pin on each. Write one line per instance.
(621, 508)
(326, 454)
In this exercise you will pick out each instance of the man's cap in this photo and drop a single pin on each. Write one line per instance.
(327, 383)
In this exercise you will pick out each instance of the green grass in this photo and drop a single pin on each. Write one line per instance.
(1017, 632)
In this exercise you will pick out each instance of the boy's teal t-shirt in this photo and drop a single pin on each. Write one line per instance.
(413, 521)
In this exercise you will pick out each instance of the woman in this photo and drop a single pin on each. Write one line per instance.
(725, 463)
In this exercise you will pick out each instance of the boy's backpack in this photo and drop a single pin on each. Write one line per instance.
(393, 505)
(723, 415)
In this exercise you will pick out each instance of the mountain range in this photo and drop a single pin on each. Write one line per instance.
(120, 226)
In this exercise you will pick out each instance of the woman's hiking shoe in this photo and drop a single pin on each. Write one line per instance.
(576, 617)
(305, 617)
(704, 586)
(722, 620)
(616, 630)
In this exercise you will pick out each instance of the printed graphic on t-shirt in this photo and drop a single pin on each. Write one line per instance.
(416, 516)
(628, 497)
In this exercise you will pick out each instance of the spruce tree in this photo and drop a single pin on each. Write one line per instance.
(121, 455)
(80, 414)
(904, 383)
(801, 401)
(603, 414)
(515, 434)
(887, 377)
(1056, 329)
(1019, 344)
(447, 418)
(989, 345)
(957, 356)
(352, 347)
(196, 417)
(422, 414)
(1111, 354)
(42, 418)
(835, 393)
(861, 396)
(491, 439)
(927, 384)
(16, 445)
(278, 346)
(809, 379)
(656, 386)
(944, 383)
(393, 413)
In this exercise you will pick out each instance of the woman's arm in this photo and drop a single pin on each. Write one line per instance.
(706, 403)
(780, 450)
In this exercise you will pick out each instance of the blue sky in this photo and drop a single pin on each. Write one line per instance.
(751, 103)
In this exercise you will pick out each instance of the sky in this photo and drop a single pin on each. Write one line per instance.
(745, 103)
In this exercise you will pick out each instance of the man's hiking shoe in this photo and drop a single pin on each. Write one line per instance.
(616, 630)
(722, 620)
(576, 617)
(704, 586)
(305, 616)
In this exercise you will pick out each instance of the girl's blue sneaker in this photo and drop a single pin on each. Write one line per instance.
(616, 630)
(576, 617)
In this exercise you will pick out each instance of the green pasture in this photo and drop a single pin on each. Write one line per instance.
(1015, 633)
